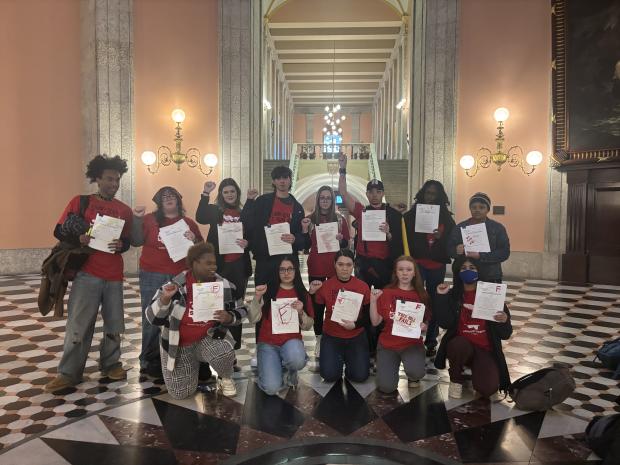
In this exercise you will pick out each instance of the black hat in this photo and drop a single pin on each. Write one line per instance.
(480, 197)
(374, 184)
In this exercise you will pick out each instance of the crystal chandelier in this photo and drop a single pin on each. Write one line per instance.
(331, 117)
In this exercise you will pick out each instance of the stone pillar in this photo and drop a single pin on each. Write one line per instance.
(107, 90)
(310, 128)
(240, 107)
(433, 41)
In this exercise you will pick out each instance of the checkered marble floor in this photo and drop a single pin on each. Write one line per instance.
(552, 323)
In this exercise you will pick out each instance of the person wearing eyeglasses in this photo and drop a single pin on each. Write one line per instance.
(156, 266)
(285, 309)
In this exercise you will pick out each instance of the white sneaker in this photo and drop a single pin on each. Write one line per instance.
(317, 347)
(227, 387)
(455, 390)
(253, 362)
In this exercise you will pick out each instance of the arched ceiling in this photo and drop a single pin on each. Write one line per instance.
(359, 34)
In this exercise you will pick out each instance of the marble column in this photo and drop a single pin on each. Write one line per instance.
(240, 108)
(309, 128)
(433, 41)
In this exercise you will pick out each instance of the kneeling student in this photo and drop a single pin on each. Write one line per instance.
(344, 342)
(285, 311)
(392, 349)
(187, 339)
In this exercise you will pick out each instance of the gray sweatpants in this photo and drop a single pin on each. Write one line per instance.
(388, 365)
(183, 380)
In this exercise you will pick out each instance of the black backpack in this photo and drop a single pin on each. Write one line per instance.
(603, 437)
(542, 389)
(609, 355)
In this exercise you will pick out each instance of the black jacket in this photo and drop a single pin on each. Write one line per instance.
(255, 217)
(447, 311)
(418, 245)
(211, 214)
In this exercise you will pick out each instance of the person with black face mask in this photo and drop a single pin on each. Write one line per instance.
(470, 342)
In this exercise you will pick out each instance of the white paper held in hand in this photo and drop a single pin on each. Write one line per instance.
(173, 238)
(426, 218)
(275, 244)
(207, 298)
(371, 220)
(227, 235)
(347, 306)
(475, 238)
(284, 318)
(490, 298)
(326, 237)
(408, 318)
(105, 230)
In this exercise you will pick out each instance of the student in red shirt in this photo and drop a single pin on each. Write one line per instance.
(344, 344)
(470, 341)
(392, 349)
(236, 267)
(321, 265)
(156, 266)
(98, 283)
(281, 354)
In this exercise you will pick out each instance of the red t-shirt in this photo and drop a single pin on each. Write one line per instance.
(327, 295)
(265, 335)
(372, 249)
(189, 330)
(108, 266)
(474, 329)
(281, 212)
(154, 257)
(386, 307)
(232, 215)
(322, 264)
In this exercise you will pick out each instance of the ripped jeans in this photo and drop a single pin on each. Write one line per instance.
(88, 293)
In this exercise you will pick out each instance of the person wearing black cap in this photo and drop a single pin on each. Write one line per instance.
(156, 266)
(489, 263)
(374, 259)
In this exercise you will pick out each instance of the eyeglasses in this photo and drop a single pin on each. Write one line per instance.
(286, 270)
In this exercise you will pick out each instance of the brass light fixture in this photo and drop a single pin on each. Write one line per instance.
(513, 156)
(165, 155)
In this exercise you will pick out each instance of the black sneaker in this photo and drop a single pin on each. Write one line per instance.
(431, 351)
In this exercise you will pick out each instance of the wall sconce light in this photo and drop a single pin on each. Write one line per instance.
(400, 105)
(266, 105)
(513, 156)
(165, 155)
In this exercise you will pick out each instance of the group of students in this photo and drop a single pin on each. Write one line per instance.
(407, 266)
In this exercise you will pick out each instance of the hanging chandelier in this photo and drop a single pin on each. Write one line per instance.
(331, 117)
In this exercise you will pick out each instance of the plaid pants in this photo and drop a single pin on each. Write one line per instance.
(183, 380)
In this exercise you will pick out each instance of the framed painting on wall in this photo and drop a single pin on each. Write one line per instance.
(586, 81)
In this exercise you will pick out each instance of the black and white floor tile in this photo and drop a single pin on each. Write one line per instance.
(135, 421)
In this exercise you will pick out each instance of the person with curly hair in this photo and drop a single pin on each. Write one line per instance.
(98, 283)
(430, 250)
(156, 266)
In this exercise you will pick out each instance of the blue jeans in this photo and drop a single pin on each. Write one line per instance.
(432, 279)
(150, 282)
(272, 360)
(87, 294)
(352, 354)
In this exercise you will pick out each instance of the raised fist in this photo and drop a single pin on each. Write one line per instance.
(252, 194)
(315, 286)
(139, 211)
(208, 187)
(443, 288)
(260, 290)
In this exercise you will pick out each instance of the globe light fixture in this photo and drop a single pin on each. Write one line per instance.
(513, 156)
(165, 156)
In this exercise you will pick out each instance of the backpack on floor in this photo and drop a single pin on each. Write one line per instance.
(542, 389)
(609, 355)
(601, 432)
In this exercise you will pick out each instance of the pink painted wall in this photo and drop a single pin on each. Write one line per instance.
(175, 67)
(366, 127)
(40, 118)
(505, 73)
(299, 127)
